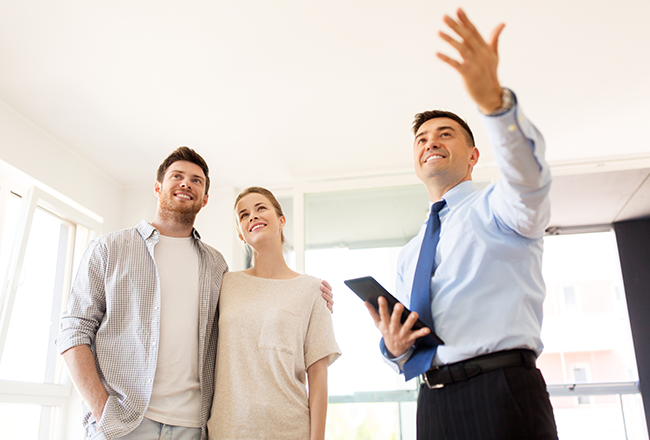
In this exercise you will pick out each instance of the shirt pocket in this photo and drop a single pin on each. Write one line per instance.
(279, 331)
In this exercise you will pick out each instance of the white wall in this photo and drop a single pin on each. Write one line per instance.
(56, 167)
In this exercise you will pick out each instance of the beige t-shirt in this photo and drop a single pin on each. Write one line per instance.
(270, 332)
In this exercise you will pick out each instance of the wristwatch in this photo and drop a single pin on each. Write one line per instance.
(507, 102)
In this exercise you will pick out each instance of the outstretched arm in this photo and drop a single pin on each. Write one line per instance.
(480, 60)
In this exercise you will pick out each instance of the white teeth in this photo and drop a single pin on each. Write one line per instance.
(184, 196)
(434, 156)
(256, 227)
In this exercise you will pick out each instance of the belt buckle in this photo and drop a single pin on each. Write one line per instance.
(435, 385)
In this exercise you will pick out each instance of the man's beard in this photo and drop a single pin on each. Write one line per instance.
(177, 213)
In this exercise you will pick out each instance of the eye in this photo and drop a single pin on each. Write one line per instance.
(243, 216)
(445, 134)
(197, 181)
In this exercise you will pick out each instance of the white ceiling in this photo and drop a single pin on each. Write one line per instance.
(277, 92)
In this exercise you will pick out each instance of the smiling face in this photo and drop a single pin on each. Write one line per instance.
(442, 156)
(181, 194)
(259, 222)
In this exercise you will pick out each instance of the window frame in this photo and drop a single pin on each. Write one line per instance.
(53, 398)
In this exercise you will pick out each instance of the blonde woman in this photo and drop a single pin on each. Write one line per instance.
(275, 338)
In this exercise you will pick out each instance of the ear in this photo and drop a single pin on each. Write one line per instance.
(473, 159)
(205, 200)
(157, 188)
(283, 222)
(241, 237)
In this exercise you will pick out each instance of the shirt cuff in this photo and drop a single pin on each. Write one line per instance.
(508, 101)
(396, 363)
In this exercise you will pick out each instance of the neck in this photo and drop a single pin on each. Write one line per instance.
(438, 189)
(173, 224)
(269, 262)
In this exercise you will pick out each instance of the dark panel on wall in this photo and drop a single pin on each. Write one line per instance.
(633, 239)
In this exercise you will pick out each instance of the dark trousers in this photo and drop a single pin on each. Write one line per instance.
(507, 403)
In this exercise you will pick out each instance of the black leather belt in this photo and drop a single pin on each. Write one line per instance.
(438, 377)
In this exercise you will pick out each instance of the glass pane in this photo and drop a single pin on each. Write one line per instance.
(37, 306)
(612, 417)
(376, 421)
(10, 227)
(362, 367)
(341, 219)
(19, 421)
(586, 332)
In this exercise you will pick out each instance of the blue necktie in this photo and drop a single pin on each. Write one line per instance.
(425, 348)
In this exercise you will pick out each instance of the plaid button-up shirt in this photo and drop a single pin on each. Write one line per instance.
(114, 308)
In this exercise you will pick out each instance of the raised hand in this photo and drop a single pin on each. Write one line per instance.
(479, 61)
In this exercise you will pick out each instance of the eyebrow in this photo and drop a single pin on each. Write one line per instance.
(438, 129)
(256, 205)
(183, 172)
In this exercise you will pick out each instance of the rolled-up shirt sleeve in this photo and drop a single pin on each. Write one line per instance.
(87, 303)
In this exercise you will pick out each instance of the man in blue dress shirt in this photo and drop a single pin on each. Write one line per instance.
(487, 289)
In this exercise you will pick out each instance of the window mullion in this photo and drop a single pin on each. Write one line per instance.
(16, 265)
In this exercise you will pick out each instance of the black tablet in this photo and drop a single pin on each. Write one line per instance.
(368, 289)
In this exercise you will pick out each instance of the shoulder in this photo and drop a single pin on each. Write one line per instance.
(309, 282)
(215, 257)
(116, 238)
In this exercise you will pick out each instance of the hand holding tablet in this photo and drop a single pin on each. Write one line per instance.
(368, 289)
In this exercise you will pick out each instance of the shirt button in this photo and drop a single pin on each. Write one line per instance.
(156, 308)
(153, 343)
(512, 128)
(149, 381)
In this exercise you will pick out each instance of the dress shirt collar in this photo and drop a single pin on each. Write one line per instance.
(457, 194)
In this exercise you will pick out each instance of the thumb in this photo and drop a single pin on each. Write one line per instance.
(494, 38)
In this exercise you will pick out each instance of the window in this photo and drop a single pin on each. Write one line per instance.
(42, 240)
(349, 234)
(587, 340)
(588, 360)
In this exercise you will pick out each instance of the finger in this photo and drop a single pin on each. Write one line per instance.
(328, 297)
(413, 336)
(383, 309)
(455, 44)
(453, 63)
(326, 285)
(494, 37)
(471, 36)
(373, 313)
(329, 303)
(462, 17)
(410, 322)
(396, 317)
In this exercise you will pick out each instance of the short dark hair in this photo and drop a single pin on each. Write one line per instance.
(423, 117)
(189, 155)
